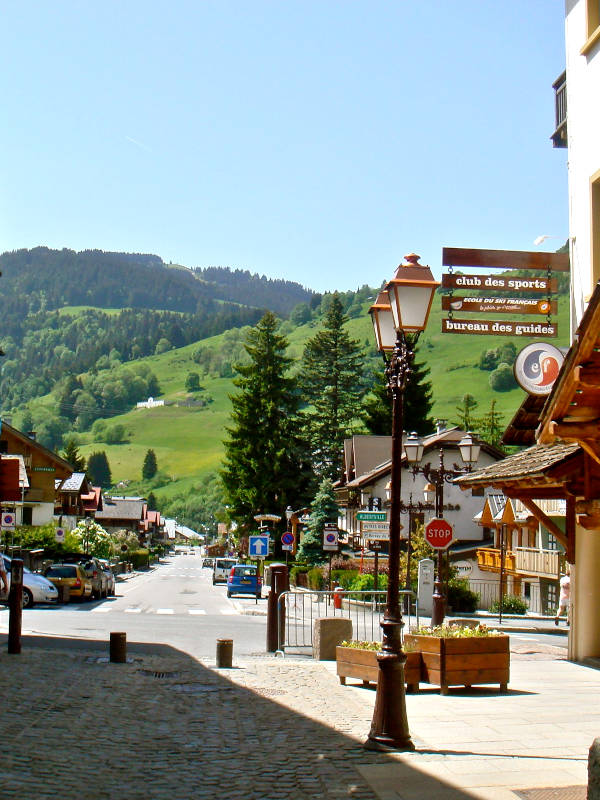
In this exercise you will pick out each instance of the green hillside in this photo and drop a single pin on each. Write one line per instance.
(188, 442)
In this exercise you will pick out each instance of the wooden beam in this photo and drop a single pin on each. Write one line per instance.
(545, 520)
(504, 259)
(588, 429)
(587, 376)
(592, 448)
(570, 528)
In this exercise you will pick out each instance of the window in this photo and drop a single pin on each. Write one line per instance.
(593, 25)
(27, 518)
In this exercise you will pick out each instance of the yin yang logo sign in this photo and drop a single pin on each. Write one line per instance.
(537, 367)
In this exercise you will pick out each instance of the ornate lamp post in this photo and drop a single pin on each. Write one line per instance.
(399, 314)
(434, 491)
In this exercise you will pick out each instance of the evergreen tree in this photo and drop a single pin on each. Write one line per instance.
(323, 509)
(265, 460)
(150, 465)
(491, 426)
(151, 502)
(466, 419)
(192, 382)
(73, 456)
(98, 470)
(331, 383)
(417, 404)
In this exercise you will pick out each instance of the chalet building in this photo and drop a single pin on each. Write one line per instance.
(123, 513)
(563, 462)
(76, 499)
(38, 470)
(366, 485)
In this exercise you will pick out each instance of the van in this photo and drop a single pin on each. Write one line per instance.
(222, 568)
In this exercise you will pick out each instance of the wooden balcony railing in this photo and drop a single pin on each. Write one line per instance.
(489, 559)
(542, 563)
(559, 137)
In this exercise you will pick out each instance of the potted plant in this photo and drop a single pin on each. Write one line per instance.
(462, 655)
(356, 659)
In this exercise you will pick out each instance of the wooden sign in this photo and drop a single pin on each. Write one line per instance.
(503, 305)
(491, 327)
(499, 283)
(504, 259)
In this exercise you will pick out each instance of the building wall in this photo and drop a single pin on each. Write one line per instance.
(583, 126)
(42, 513)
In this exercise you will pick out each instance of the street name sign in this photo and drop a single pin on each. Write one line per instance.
(378, 537)
(439, 533)
(371, 516)
(258, 546)
(368, 527)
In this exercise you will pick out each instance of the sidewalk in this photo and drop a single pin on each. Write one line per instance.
(166, 727)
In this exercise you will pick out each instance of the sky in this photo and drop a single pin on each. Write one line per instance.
(315, 141)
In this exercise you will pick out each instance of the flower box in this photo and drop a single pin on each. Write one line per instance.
(468, 661)
(353, 662)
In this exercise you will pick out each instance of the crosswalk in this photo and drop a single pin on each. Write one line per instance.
(159, 611)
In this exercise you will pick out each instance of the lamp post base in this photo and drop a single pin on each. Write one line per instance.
(389, 728)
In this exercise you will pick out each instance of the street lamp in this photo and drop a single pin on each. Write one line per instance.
(469, 450)
(399, 314)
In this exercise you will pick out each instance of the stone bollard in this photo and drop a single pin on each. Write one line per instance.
(64, 594)
(224, 653)
(118, 648)
(328, 633)
(593, 792)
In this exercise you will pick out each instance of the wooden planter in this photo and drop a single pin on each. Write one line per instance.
(362, 664)
(463, 662)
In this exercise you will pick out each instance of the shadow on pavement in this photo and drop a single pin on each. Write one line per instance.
(165, 727)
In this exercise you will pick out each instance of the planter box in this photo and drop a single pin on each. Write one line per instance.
(362, 664)
(463, 662)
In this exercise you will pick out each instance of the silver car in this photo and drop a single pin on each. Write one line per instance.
(36, 588)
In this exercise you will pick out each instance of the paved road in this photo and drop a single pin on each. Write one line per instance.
(174, 603)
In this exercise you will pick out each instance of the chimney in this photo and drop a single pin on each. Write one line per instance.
(440, 425)
(32, 435)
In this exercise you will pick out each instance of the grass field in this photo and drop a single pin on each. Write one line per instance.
(188, 442)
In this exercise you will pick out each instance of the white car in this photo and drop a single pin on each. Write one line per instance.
(36, 588)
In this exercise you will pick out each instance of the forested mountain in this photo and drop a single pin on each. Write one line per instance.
(42, 279)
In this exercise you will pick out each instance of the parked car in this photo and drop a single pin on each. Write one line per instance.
(94, 571)
(110, 576)
(208, 562)
(73, 576)
(244, 579)
(222, 568)
(36, 588)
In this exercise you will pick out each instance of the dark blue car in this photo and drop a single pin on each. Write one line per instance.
(244, 579)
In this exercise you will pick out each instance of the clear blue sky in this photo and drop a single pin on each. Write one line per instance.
(313, 141)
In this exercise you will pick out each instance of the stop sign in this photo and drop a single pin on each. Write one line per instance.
(439, 533)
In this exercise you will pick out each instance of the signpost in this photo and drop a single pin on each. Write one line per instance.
(59, 535)
(439, 533)
(287, 544)
(330, 543)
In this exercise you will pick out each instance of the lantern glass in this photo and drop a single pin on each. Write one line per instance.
(411, 293)
(469, 449)
(429, 493)
(413, 447)
(383, 323)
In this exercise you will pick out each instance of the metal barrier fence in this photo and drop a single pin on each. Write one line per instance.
(298, 610)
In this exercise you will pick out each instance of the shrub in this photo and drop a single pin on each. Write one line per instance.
(362, 583)
(460, 597)
(511, 604)
(295, 571)
(502, 378)
(315, 579)
(139, 558)
(344, 577)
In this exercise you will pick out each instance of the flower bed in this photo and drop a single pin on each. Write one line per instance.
(359, 660)
(462, 656)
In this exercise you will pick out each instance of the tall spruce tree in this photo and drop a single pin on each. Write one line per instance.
(323, 509)
(150, 465)
(331, 381)
(99, 470)
(417, 404)
(73, 456)
(265, 465)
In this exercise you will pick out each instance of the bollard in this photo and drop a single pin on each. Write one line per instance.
(224, 653)
(118, 648)
(338, 593)
(15, 605)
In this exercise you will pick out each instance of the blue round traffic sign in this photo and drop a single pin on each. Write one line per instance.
(287, 538)
(331, 538)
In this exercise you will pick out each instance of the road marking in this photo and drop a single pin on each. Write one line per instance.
(101, 609)
(133, 610)
(196, 611)
(164, 611)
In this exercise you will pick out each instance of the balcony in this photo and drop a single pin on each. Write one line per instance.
(541, 563)
(559, 137)
(489, 560)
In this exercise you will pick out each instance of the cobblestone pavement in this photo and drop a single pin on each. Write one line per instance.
(166, 727)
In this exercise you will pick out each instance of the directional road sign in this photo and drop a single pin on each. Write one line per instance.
(439, 533)
(371, 516)
(369, 527)
(377, 537)
(258, 546)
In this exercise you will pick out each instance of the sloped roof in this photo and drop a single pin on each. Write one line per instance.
(74, 483)
(121, 508)
(532, 464)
